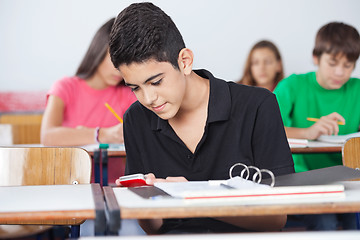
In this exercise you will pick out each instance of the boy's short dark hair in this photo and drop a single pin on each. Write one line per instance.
(338, 38)
(141, 32)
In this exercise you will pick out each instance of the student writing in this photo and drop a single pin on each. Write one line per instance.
(329, 94)
(75, 113)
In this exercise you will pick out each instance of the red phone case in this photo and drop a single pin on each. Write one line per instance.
(137, 182)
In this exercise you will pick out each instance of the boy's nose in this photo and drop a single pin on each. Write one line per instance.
(339, 71)
(149, 97)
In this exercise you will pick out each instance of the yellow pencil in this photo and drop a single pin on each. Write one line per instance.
(113, 112)
(316, 119)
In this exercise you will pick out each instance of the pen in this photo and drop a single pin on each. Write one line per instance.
(161, 197)
(113, 112)
(316, 119)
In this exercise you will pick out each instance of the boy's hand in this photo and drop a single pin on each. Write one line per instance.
(151, 179)
(326, 125)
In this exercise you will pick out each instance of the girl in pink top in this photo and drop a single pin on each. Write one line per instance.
(263, 67)
(75, 113)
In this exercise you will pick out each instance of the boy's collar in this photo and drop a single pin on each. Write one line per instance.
(220, 100)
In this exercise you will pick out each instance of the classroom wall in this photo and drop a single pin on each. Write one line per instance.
(42, 41)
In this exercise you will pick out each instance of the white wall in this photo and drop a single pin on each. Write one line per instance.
(44, 40)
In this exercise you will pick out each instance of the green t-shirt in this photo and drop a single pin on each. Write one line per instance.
(300, 96)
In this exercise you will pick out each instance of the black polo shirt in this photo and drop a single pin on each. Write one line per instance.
(244, 125)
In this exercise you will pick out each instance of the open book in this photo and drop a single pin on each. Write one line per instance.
(238, 189)
(337, 138)
(316, 183)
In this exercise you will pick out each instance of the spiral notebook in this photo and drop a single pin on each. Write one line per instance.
(241, 188)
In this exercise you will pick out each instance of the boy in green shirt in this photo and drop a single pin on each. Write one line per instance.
(330, 95)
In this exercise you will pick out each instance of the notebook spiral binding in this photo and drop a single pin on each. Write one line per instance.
(258, 174)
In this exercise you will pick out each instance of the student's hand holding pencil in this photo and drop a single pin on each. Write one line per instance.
(112, 134)
(326, 125)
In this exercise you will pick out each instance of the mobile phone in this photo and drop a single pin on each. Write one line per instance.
(133, 180)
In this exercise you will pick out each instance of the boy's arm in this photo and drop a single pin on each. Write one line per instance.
(150, 226)
(257, 223)
(272, 152)
(326, 125)
(269, 144)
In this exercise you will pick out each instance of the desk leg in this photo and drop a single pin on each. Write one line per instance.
(96, 166)
(104, 171)
(100, 166)
(75, 231)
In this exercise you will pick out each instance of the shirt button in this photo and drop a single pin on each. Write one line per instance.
(189, 156)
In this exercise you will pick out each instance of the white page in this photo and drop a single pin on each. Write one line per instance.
(181, 189)
(178, 189)
(337, 138)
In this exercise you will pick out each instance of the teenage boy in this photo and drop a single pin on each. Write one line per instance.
(330, 95)
(189, 125)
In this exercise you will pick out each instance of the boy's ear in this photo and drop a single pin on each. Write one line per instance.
(185, 60)
(316, 60)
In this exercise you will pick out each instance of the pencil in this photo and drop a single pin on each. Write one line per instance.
(316, 119)
(113, 112)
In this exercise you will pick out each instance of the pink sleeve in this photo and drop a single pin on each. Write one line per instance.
(62, 89)
(129, 97)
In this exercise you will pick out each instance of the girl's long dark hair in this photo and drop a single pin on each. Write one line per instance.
(96, 52)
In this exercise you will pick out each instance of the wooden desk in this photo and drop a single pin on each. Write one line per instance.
(311, 235)
(132, 206)
(318, 147)
(25, 126)
(29, 204)
(332, 149)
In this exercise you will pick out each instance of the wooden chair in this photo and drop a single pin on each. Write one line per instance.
(42, 166)
(351, 158)
(351, 153)
(25, 127)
